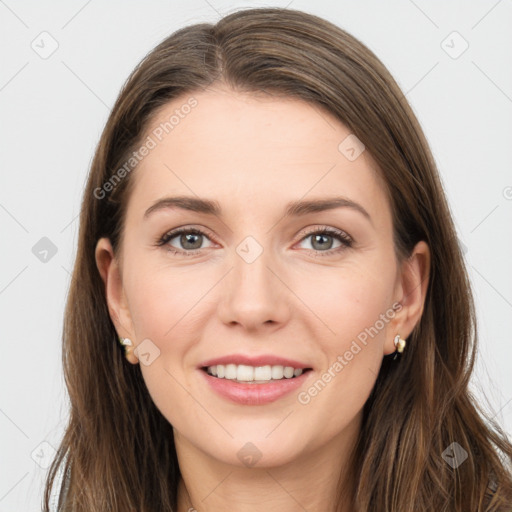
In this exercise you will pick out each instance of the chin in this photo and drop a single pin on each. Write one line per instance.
(257, 451)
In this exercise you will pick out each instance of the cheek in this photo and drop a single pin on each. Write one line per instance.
(162, 301)
(163, 307)
(353, 311)
(348, 301)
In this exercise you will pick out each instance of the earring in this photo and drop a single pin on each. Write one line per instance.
(127, 345)
(399, 344)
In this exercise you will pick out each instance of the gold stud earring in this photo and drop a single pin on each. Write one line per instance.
(399, 344)
(127, 345)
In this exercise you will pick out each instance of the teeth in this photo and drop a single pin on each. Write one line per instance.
(230, 372)
(288, 372)
(244, 373)
(278, 372)
(262, 373)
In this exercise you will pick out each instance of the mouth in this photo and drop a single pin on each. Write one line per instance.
(254, 385)
(245, 374)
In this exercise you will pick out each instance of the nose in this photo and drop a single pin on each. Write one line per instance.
(254, 294)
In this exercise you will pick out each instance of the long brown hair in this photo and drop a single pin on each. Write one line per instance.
(118, 453)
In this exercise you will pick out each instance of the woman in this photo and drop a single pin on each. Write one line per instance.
(311, 349)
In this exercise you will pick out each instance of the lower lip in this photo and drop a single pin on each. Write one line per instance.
(254, 394)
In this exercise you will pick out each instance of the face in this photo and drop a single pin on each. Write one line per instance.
(253, 279)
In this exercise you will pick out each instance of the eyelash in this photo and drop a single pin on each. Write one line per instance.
(345, 240)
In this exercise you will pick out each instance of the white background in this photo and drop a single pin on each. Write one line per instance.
(52, 114)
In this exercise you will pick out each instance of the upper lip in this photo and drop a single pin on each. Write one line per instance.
(262, 360)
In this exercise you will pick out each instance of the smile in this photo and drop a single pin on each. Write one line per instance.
(255, 374)
(254, 392)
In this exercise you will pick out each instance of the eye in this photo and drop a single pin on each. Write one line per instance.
(322, 240)
(190, 240)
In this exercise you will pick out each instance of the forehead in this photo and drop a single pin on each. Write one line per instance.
(243, 149)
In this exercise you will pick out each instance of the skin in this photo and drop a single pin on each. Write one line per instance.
(253, 154)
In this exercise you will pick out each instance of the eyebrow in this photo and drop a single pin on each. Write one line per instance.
(292, 209)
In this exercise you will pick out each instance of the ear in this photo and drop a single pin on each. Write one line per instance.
(108, 267)
(411, 291)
